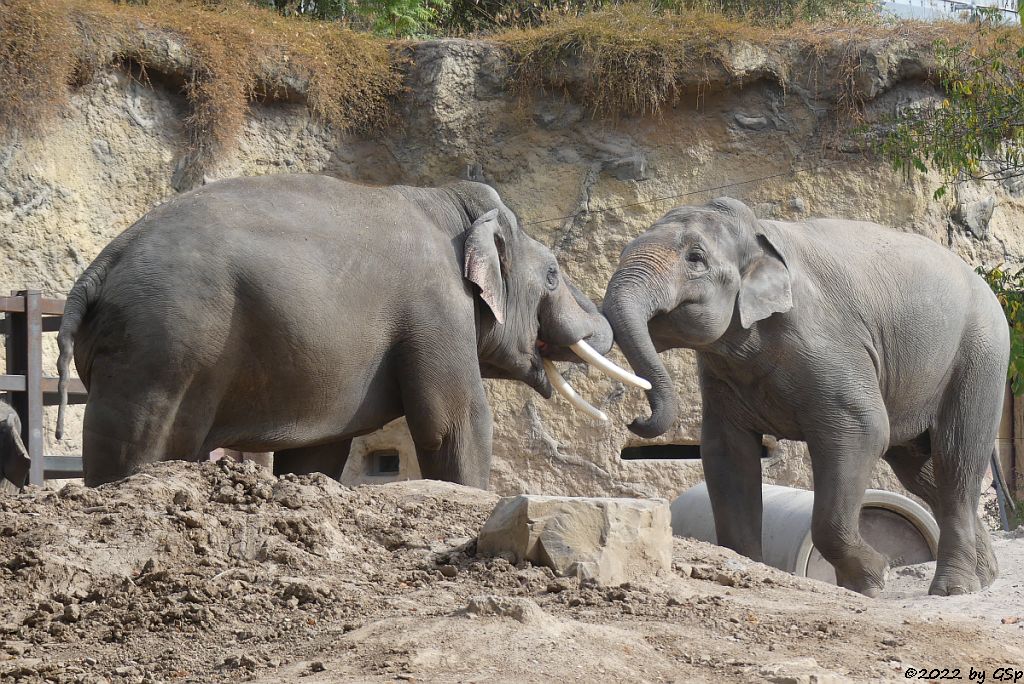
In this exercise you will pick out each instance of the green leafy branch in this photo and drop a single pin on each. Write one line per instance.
(1008, 286)
(977, 131)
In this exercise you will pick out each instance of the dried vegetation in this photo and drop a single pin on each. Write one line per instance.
(622, 60)
(631, 59)
(222, 54)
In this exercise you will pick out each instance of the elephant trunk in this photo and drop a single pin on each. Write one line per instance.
(602, 337)
(628, 306)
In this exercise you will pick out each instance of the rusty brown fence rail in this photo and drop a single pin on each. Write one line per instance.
(26, 316)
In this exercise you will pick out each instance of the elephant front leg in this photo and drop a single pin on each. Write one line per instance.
(843, 456)
(732, 470)
(453, 439)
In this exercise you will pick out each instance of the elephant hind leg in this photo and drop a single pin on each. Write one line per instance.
(126, 430)
(329, 459)
(962, 438)
(913, 466)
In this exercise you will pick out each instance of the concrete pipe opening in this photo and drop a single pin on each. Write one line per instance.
(894, 525)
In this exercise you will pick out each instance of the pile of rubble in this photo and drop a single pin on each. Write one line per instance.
(221, 572)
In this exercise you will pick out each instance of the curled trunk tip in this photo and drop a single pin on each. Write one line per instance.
(628, 316)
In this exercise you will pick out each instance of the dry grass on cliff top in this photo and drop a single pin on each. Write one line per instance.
(224, 54)
(638, 60)
(627, 59)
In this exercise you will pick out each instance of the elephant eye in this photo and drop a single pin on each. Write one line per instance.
(697, 258)
(552, 278)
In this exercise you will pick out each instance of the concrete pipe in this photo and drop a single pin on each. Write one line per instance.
(897, 527)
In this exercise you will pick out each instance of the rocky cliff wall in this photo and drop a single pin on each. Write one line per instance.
(762, 132)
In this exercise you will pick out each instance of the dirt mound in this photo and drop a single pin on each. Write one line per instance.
(222, 572)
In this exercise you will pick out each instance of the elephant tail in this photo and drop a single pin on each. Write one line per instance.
(83, 295)
(1006, 502)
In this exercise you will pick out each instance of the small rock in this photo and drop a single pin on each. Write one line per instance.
(703, 572)
(752, 123)
(449, 570)
(725, 580)
(182, 499)
(101, 147)
(191, 519)
(975, 216)
(72, 613)
(317, 666)
(51, 607)
(519, 609)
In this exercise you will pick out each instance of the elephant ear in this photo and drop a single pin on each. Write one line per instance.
(766, 286)
(483, 263)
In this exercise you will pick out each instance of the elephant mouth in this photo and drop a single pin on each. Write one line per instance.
(551, 378)
(538, 379)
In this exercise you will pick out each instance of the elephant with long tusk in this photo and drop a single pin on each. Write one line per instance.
(291, 313)
(591, 356)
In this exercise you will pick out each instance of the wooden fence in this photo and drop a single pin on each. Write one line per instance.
(26, 316)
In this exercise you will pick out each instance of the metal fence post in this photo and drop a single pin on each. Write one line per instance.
(25, 357)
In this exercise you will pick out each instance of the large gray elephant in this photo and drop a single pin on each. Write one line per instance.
(862, 341)
(14, 461)
(292, 313)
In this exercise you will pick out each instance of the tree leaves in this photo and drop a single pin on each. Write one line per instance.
(1009, 289)
(977, 131)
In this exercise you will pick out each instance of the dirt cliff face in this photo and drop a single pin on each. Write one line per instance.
(583, 185)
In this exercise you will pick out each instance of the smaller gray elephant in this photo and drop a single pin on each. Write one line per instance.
(14, 460)
(864, 342)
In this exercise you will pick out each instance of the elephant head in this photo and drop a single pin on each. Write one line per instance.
(530, 314)
(14, 460)
(694, 277)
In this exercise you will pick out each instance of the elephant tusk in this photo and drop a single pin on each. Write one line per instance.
(590, 355)
(566, 390)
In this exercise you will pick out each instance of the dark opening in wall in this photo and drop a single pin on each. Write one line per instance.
(673, 452)
(684, 452)
(384, 462)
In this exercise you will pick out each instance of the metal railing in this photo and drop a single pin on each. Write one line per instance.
(27, 315)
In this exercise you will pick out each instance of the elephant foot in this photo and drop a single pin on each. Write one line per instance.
(954, 584)
(869, 584)
(988, 566)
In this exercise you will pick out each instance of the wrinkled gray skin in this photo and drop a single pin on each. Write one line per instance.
(862, 341)
(293, 313)
(14, 461)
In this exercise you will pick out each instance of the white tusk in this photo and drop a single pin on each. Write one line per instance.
(590, 355)
(566, 390)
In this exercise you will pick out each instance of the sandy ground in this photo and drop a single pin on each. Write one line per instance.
(220, 572)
